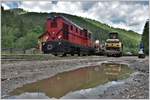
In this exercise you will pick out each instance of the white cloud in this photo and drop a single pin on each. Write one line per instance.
(126, 15)
(5, 6)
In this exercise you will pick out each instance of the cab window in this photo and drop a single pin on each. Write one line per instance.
(71, 27)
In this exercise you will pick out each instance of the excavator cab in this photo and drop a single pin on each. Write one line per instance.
(113, 35)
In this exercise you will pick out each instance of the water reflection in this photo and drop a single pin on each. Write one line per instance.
(60, 84)
(112, 70)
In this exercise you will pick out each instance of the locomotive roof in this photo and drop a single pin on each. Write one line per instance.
(66, 19)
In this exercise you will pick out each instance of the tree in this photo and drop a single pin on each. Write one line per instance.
(2, 8)
(145, 37)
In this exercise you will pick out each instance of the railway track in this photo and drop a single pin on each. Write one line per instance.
(40, 57)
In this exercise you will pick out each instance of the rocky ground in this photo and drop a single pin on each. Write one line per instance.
(137, 86)
(19, 72)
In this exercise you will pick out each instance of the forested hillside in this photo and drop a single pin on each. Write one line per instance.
(145, 37)
(20, 29)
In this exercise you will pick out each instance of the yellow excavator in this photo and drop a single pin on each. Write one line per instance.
(113, 46)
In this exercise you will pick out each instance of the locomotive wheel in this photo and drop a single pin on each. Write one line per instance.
(78, 54)
(89, 54)
(55, 54)
(63, 55)
(108, 55)
(78, 51)
(83, 54)
(72, 54)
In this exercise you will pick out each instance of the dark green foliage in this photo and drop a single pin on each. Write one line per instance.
(20, 29)
(145, 38)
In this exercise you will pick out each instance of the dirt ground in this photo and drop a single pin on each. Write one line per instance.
(19, 72)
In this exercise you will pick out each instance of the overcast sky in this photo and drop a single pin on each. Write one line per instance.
(130, 15)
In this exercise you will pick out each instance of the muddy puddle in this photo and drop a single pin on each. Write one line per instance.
(63, 83)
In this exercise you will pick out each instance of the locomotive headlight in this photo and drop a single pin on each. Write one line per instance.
(97, 42)
(46, 37)
(59, 37)
(43, 43)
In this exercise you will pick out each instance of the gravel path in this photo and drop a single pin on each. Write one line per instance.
(19, 73)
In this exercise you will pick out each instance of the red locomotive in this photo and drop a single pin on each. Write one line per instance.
(62, 36)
